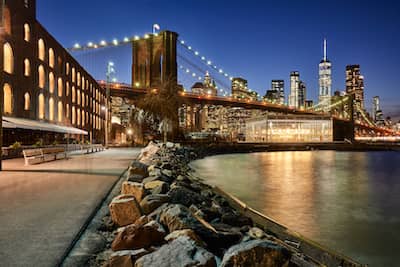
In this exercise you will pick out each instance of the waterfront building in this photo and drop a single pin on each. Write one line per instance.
(289, 129)
(355, 86)
(272, 96)
(325, 81)
(377, 113)
(207, 87)
(47, 94)
(302, 95)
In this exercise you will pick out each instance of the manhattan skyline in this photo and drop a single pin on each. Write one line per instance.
(258, 42)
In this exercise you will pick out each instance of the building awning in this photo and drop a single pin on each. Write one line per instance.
(11, 122)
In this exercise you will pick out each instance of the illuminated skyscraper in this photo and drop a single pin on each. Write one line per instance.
(294, 89)
(355, 84)
(325, 81)
(377, 114)
(302, 95)
(278, 87)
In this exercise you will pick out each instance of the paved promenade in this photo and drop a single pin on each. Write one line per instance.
(42, 207)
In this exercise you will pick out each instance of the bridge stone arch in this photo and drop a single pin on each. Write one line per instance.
(154, 60)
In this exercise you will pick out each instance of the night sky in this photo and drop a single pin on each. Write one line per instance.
(257, 40)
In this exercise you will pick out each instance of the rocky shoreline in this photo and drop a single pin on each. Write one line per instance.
(165, 216)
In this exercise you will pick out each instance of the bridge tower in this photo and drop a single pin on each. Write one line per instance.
(154, 59)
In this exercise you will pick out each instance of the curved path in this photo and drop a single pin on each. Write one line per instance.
(42, 207)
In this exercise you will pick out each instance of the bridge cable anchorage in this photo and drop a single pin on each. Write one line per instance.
(201, 70)
(206, 61)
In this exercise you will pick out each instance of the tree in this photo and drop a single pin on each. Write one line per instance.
(163, 104)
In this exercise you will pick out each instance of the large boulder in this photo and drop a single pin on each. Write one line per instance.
(157, 187)
(185, 232)
(256, 253)
(124, 210)
(235, 219)
(139, 236)
(177, 217)
(152, 202)
(182, 195)
(138, 168)
(125, 258)
(182, 252)
(133, 188)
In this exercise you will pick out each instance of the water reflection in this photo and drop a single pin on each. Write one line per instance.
(346, 200)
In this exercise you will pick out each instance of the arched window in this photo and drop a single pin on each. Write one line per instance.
(41, 49)
(73, 75)
(27, 102)
(67, 68)
(79, 97)
(73, 94)
(83, 99)
(27, 67)
(78, 113)
(83, 118)
(41, 107)
(51, 82)
(60, 111)
(8, 99)
(79, 78)
(51, 58)
(8, 60)
(42, 78)
(83, 82)
(73, 115)
(67, 110)
(67, 89)
(51, 109)
(60, 87)
(27, 32)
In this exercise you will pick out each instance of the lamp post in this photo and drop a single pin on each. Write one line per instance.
(110, 70)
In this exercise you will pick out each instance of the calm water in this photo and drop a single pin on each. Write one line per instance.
(348, 201)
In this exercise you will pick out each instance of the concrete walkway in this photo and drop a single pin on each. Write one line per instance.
(42, 207)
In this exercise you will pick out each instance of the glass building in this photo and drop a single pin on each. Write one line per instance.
(289, 129)
(325, 81)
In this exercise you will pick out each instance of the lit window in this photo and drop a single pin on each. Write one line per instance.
(73, 94)
(67, 111)
(79, 79)
(8, 60)
(79, 97)
(51, 109)
(67, 68)
(51, 57)
(42, 79)
(83, 83)
(60, 87)
(27, 67)
(41, 49)
(67, 89)
(27, 32)
(27, 99)
(41, 107)
(78, 113)
(60, 111)
(73, 75)
(8, 99)
(83, 118)
(51, 82)
(83, 99)
(26, 3)
(73, 115)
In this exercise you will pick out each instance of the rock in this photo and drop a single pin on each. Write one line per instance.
(157, 187)
(152, 202)
(256, 253)
(135, 178)
(107, 224)
(124, 210)
(177, 217)
(139, 168)
(166, 165)
(139, 236)
(235, 219)
(256, 233)
(125, 258)
(185, 232)
(169, 145)
(132, 188)
(182, 252)
(167, 173)
(185, 196)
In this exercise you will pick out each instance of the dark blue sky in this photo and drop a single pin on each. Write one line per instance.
(258, 40)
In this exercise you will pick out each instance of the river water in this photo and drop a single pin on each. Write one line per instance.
(348, 201)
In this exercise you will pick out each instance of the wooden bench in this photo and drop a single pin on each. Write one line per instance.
(39, 155)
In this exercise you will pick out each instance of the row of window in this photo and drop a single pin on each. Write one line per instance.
(78, 115)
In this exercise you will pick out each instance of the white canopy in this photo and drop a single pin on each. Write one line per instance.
(11, 122)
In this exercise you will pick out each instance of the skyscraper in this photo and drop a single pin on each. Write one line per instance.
(294, 89)
(297, 96)
(377, 114)
(278, 87)
(355, 84)
(325, 81)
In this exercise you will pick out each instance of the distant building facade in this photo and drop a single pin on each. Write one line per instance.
(355, 84)
(377, 113)
(276, 94)
(41, 81)
(241, 91)
(207, 87)
(297, 96)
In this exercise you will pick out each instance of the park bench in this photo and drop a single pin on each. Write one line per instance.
(39, 155)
